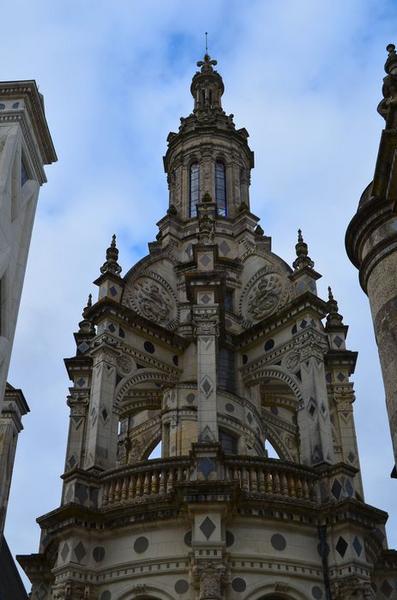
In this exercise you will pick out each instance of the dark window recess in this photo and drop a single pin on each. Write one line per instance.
(228, 442)
(229, 300)
(245, 359)
(226, 370)
(194, 189)
(24, 173)
(220, 188)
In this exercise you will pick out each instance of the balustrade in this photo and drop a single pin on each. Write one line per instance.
(154, 479)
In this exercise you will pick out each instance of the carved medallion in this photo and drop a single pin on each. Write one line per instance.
(264, 293)
(152, 297)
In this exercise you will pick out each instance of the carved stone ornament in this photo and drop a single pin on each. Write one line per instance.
(291, 361)
(352, 588)
(152, 297)
(211, 579)
(125, 364)
(206, 228)
(264, 293)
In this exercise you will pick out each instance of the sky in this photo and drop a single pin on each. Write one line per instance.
(304, 77)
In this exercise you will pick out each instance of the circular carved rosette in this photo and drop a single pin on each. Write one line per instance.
(152, 297)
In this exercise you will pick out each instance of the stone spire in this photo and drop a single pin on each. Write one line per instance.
(112, 254)
(387, 106)
(86, 326)
(302, 258)
(334, 318)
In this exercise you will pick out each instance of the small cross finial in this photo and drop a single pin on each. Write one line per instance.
(300, 237)
(206, 42)
(89, 301)
(330, 294)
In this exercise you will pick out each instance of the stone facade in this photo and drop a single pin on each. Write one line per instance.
(371, 243)
(216, 347)
(25, 147)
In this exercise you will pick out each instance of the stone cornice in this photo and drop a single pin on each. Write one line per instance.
(29, 92)
(108, 308)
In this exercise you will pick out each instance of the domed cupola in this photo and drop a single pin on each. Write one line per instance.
(208, 156)
(207, 85)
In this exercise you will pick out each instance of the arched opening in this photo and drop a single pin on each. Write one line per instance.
(220, 188)
(194, 188)
(271, 451)
(156, 452)
(279, 411)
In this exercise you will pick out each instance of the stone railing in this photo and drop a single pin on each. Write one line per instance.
(154, 478)
(157, 478)
(272, 477)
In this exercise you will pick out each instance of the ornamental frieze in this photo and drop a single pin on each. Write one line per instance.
(152, 297)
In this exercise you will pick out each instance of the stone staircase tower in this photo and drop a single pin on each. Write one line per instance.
(216, 347)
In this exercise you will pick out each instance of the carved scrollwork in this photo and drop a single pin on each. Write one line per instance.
(152, 297)
(291, 361)
(264, 293)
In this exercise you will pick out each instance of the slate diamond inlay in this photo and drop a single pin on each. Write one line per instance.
(341, 546)
(80, 551)
(83, 347)
(336, 488)
(357, 546)
(205, 260)
(386, 589)
(207, 527)
(351, 456)
(224, 247)
(113, 290)
(205, 299)
(338, 341)
(65, 551)
(206, 386)
(205, 466)
(340, 376)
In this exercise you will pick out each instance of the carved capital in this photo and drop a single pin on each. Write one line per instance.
(352, 588)
(211, 578)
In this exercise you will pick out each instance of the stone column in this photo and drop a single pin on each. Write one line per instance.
(314, 416)
(14, 408)
(101, 445)
(206, 321)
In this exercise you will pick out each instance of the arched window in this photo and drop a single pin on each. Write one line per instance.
(220, 188)
(194, 189)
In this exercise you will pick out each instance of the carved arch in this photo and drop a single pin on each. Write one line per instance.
(276, 591)
(278, 444)
(276, 372)
(145, 592)
(143, 376)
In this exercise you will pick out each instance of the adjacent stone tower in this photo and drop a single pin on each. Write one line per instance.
(371, 243)
(215, 347)
(25, 147)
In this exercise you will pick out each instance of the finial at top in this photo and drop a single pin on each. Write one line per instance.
(207, 63)
(391, 61)
(303, 259)
(206, 42)
(333, 317)
(112, 254)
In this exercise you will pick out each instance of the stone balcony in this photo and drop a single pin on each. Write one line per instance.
(261, 478)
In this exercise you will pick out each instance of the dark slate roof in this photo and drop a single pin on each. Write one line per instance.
(11, 586)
